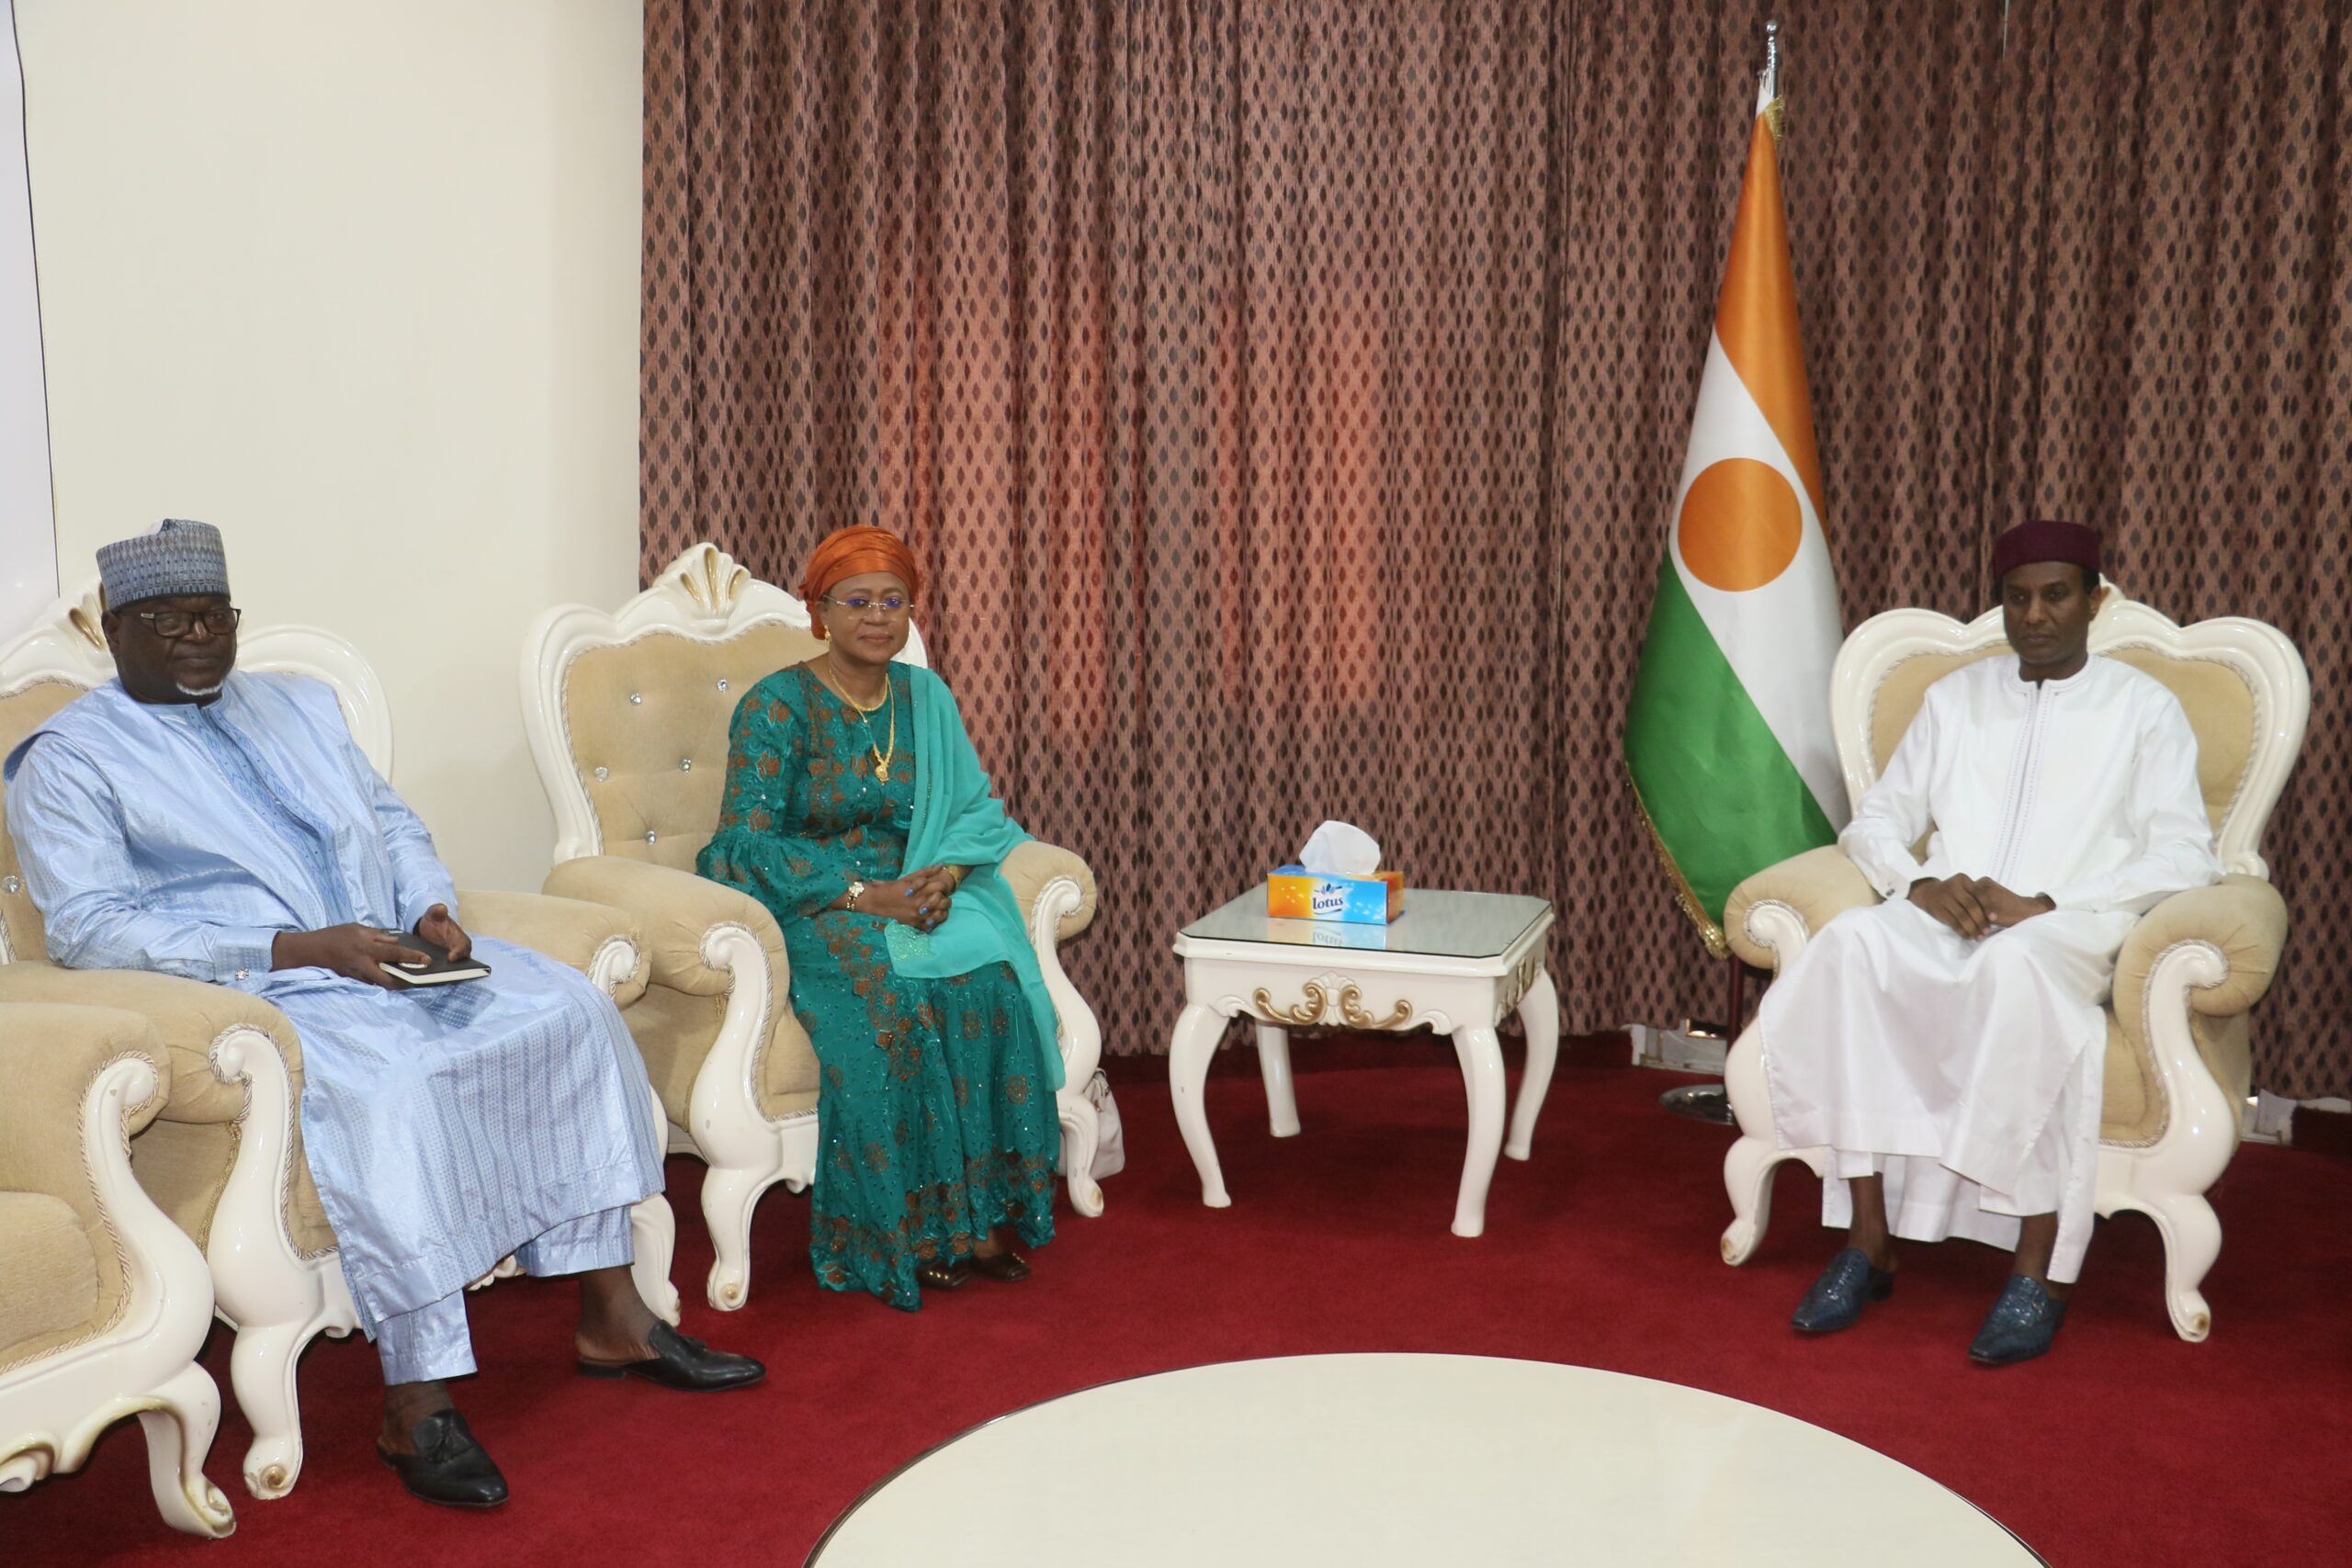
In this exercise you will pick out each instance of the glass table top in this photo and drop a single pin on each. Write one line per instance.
(1436, 922)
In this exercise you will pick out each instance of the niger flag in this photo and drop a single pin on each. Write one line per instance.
(1727, 737)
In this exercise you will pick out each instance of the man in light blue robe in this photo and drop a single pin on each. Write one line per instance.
(225, 827)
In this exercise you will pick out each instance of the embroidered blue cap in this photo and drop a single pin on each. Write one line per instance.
(176, 558)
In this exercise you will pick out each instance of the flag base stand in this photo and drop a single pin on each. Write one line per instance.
(1700, 1102)
(1711, 1102)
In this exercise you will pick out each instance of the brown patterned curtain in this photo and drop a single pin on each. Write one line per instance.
(2173, 257)
(1289, 396)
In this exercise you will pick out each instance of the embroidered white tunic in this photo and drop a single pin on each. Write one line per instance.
(1969, 1073)
(445, 1127)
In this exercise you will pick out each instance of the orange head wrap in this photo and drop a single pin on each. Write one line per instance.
(852, 552)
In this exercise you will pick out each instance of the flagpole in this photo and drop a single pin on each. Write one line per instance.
(1712, 1101)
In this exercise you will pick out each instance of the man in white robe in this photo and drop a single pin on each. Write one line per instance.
(1947, 1045)
(223, 827)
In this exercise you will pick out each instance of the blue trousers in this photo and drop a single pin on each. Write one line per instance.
(430, 1343)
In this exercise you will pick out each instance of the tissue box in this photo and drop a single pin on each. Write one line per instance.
(1295, 893)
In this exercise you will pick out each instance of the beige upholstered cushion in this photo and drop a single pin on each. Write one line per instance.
(1819, 884)
(188, 1016)
(570, 931)
(185, 1168)
(653, 715)
(1031, 865)
(673, 912)
(2133, 1111)
(2219, 709)
(674, 1029)
(2242, 918)
(677, 1017)
(49, 1275)
(21, 712)
(182, 1161)
(1902, 691)
(73, 1281)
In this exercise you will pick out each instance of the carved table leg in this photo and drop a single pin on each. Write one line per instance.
(1188, 1070)
(1482, 1077)
(1273, 1066)
(1539, 1013)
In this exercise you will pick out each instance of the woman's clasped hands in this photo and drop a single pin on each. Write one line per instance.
(920, 899)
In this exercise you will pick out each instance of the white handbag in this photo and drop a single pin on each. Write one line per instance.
(1110, 1146)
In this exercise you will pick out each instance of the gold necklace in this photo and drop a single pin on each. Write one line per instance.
(882, 758)
(842, 691)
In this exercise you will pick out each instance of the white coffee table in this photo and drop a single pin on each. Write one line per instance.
(1456, 963)
(1410, 1462)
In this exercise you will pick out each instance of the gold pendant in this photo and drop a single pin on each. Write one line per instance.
(882, 772)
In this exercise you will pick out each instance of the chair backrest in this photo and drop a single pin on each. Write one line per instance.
(65, 654)
(2242, 683)
(627, 710)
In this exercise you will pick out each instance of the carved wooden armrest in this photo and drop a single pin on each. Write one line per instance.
(49, 1055)
(674, 912)
(1030, 867)
(2242, 918)
(186, 1018)
(573, 932)
(1814, 887)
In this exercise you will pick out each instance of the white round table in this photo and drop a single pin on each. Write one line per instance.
(1363, 1461)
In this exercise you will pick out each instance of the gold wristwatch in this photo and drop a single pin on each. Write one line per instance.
(856, 891)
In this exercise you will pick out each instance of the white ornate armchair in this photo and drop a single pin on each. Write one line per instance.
(2178, 1062)
(223, 1157)
(627, 712)
(103, 1301)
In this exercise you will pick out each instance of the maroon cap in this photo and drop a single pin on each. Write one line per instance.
(2045, 538)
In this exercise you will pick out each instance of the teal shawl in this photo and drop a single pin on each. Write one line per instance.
(960, 821)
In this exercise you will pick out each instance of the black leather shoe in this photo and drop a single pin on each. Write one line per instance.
(1007, 1267)
(2020, 1325)
(680, 1362)
(941, 1274)
(448, 1467)
(1836, 1298)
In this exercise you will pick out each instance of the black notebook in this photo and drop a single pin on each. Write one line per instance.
(437, 969)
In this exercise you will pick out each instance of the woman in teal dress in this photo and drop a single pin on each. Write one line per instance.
(857, 811)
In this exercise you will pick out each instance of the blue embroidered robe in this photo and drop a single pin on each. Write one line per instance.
(445, 1126)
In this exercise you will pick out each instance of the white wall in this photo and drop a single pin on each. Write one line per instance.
(28, 532)
(356, 282)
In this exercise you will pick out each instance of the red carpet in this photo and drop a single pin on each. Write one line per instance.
(2125, 1445)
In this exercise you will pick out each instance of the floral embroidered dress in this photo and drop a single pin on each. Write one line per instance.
(934, 1123)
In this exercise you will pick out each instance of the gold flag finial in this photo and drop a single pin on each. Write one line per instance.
(1775, 108)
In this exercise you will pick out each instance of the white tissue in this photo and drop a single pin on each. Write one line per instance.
(1339, 848)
